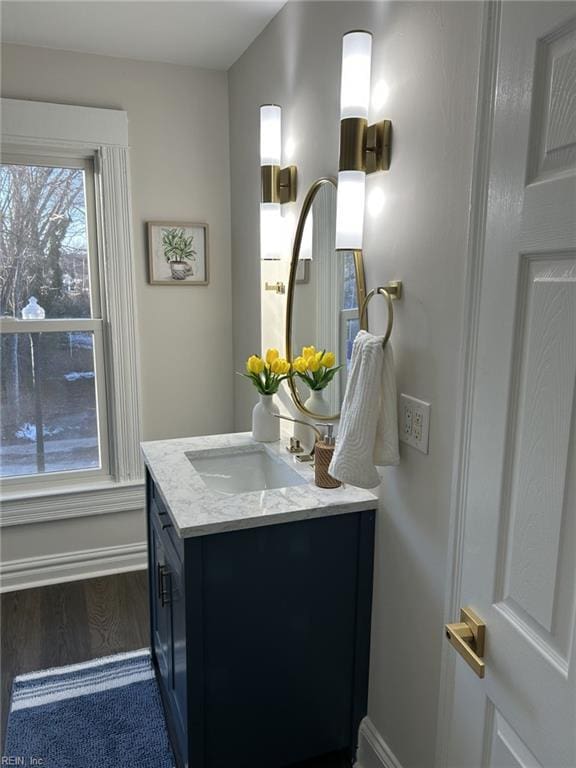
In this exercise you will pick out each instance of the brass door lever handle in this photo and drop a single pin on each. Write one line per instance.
(468, 637)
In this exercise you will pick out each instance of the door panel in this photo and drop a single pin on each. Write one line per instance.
(507, 750)
(553, 146)
(518, 569)
(534, 511)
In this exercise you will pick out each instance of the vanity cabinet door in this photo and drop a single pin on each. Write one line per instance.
(178, 682)
(160, 607)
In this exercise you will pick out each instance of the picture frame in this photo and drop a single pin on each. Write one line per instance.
(177, 253)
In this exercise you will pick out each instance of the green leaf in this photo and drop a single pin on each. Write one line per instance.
(306, 378)
(327, 377)
(330, 373)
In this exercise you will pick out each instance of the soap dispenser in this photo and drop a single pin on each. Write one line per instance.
(323, 453)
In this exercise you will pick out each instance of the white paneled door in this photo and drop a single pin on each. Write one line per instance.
(519, 533)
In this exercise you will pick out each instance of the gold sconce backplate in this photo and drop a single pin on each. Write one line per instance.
(288, 184)
(378, 145)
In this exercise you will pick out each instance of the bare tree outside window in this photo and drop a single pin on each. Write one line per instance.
(43, 240)
(48, 377)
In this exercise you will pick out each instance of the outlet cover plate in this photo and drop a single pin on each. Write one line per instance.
(414, 424)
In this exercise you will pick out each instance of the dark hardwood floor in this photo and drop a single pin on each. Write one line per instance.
(81, 620)
(67, 623)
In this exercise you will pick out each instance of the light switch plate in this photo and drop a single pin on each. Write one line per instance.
(414, 424)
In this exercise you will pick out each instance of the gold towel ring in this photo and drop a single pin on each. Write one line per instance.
(383, 292)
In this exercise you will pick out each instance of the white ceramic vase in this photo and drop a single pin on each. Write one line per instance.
(265, 426)
(317, 404)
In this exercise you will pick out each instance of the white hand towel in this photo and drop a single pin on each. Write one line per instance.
(368, 432)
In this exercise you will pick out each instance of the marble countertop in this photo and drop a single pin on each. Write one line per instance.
(196, 510)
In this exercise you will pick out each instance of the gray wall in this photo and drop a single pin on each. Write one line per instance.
(428, 54)
(178, 133)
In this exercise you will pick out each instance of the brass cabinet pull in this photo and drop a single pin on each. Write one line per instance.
(159, 579)
(468, 637)
(163, 590)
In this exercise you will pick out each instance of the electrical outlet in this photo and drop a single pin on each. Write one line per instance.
(408, 420)
(414, 422)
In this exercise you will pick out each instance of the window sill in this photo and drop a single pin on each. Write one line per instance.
(40, 506)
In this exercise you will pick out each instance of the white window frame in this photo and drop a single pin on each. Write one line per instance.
(94, 324)
(346, 315)
(60, 131)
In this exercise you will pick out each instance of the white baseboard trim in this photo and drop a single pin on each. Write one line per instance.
(71, 566)
(373, 752)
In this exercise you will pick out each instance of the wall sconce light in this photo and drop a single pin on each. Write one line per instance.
(278, 185)
(363, 148)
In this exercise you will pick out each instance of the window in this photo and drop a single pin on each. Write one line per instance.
(349, 314)
(52, 373)
(70, 418)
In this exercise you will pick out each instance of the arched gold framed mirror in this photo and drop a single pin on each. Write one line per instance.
(326, 288)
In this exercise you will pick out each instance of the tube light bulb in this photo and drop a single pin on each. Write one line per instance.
(350, 210)
(270, 134)
(271, 231)
(356, 66)
(307, 244)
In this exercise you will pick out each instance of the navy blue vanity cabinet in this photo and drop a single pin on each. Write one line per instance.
(260, 637)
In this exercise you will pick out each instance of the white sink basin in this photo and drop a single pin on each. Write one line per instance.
(243, 470)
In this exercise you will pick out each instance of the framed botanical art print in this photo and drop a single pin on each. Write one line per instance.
(177, 253)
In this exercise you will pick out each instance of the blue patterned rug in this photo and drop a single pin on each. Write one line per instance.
(104, 713)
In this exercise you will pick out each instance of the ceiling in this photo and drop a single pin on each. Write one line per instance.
(200, 34)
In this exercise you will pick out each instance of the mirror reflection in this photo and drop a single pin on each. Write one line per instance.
(324, 307)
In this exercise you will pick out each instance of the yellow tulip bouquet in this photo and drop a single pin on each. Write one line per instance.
(267, 373)
(316, 369)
